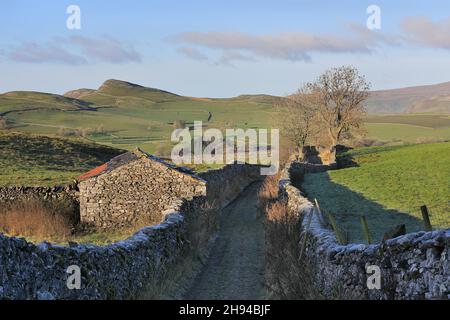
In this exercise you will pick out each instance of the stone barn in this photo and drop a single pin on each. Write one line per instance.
(132, 185)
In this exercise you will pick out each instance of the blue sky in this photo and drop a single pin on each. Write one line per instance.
(220, 48)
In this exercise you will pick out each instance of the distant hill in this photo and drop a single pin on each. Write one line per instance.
(127, 115)
(439, 104)
(120, 88)
(121, 94)
(20, 101)
(79, 93)
(429, 98)
(259, 98)
(113, 92)
(116, 93)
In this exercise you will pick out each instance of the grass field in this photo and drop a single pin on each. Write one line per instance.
(147, 128)
(133, 116)
(409, 128)
(46, 161)
(150, 127)
(388, 185)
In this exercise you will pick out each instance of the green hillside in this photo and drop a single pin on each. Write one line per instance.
(440, 104)
(388, 185)
(23, 101)
(130, 115)
(126, 115)
(28, 159)
(426, 98)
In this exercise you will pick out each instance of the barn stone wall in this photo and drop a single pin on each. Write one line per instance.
(141, 187)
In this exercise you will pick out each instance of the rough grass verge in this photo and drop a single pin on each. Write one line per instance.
(289, 276)
(268, 192)
(57, 221)
(36, 220)
(201, 226)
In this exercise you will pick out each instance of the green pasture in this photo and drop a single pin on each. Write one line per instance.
(388, 185)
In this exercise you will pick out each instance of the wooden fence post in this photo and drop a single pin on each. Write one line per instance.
(426, 218)
(319, 213)
(337, 231)
(304, 240)
(365, 228)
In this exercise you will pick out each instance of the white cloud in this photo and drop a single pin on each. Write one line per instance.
(51, 51)
(292, 46)
(192, 53)
(106, 49)
(421, 30)
(75, 50)
(228, 57)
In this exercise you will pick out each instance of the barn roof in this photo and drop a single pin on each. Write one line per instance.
(126, 158)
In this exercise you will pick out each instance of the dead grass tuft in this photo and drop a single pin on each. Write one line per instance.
(201, 224)
(289, 275)
(36, 220)
(268, 191)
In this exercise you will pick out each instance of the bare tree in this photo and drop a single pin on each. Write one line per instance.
(340, 93)
(297, 117)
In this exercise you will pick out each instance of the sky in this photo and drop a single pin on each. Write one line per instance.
(220, 48)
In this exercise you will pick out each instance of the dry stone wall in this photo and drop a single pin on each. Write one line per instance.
(11, 194)
(117, 271)
(58, 196)
(120, 270)
(413, 266)
(225, 183)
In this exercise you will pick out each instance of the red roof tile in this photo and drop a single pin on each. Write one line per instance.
(94, 172)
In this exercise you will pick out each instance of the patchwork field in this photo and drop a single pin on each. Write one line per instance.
(122, 115)
(125, 115)
(147, 128)
(128, 115)
(388, 185)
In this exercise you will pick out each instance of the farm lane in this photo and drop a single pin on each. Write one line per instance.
(235, 268)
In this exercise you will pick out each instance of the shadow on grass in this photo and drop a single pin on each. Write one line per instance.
(347, 206)
(345, 160)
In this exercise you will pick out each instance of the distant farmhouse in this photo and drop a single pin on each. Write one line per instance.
(133, 186)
